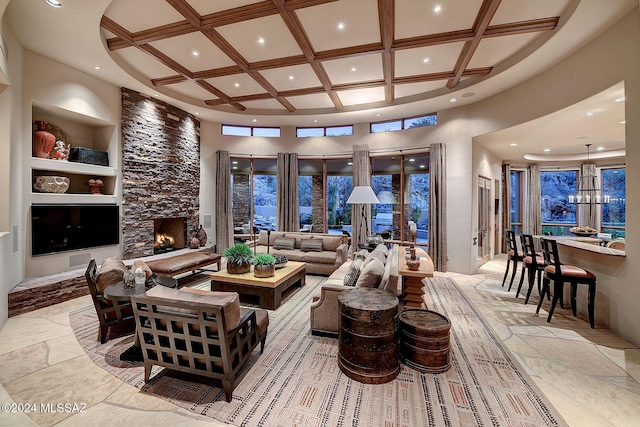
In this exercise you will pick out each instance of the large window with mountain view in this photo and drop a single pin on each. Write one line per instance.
(614, 186)
(558, 215)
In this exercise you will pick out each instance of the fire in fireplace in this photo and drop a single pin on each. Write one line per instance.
(169, 234)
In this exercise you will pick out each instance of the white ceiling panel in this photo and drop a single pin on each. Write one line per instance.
(413, 88)
(138, 15)
(494, 50)
(320, 100)
(355, 69)
(361, 96)
(236, 85)
(525, 10)
(144, 63)
(181, 49)
(441, 58)
(192, 90)
(206, 7)
(417, 17)
(359, 18)
(244, 36)
(290, 78)
(264, 104)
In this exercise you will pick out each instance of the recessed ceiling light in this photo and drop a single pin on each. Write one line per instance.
(54, 3)
(315, 120)
(600, 148)
(235, 162)
(412, 159)
(378, 114)
(350, 163)
(425, 60)
(196, 113)
(453, 100)
(195, 53)
(236, 84)
(353, 68)
(467, 94)
(621, 99)
(235, 167)
(623, 122)
(422, 166)
(513, 144)
(437, 9)
(341, 26)
(156, 95)
(96, 67)
(290, 77)
(261, 40)
(546, 150)
(589, 114)
(255, 120)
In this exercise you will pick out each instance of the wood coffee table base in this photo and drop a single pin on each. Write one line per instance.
(269, 290)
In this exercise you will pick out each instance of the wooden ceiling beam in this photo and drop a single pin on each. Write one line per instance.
(386, 14)
(532, 26)
(484, 17)
(221, 95)
(297, 31)
(170, 80)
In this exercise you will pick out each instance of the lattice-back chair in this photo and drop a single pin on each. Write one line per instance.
(110, 313)
(198, 332)
(533, 263)
(514, 255)
(560, 273)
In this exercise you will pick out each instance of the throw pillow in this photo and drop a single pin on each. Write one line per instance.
(362, 253)
(371, 275)
(311, 245)
(143, 265)
(353, 273)
(379, 255)
(284, 243)
(111, 271)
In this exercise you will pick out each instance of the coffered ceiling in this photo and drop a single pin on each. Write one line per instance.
(309, 62)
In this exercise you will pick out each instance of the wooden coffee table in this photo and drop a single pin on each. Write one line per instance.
(268, 289)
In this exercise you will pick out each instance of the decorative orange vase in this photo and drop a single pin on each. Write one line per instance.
(43, 141)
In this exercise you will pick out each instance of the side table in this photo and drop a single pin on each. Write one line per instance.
(118, 292)
(412, 279)
(368, 338)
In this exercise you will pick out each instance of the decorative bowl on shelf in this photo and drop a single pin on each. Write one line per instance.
(51, 184)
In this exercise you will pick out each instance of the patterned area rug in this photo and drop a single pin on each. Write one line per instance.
(297, 382)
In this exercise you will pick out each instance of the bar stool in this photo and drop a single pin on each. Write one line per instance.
(513, 254)
(533, 263)
(562, 273)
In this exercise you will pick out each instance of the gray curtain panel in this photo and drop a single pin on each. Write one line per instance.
(224, 218)
(532, 201)
(361, 176)
(438, 206)
(287, 193)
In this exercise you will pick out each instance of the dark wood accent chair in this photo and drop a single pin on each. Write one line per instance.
(533, 263)
(110, 313)
(192, 337)
(560, 273)
(513, 255)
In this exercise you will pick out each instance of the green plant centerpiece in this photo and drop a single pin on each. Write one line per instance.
(281, 260)
(239, 258)
(264, 265)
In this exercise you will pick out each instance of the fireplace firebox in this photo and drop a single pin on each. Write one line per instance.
(169, 234)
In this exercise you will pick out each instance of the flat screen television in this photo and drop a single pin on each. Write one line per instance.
(60, 228)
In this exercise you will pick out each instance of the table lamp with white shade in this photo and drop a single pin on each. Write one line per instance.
(363, 195)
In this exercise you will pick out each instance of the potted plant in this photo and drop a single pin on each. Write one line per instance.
(264, 265)
(238, 258)
(281, 260)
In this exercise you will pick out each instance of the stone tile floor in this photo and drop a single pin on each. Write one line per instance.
(591, 376)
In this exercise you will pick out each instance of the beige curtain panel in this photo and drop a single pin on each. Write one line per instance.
(287, 193)
(224, 220)
(438, 206)
(361, 176)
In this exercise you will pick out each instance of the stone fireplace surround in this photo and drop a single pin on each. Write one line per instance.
(160, 170)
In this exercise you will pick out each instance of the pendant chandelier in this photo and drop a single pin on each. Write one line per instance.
(589, 192)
